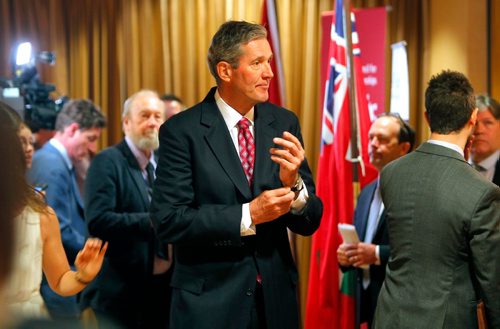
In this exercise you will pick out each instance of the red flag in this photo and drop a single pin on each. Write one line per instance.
(277, 84)
(328, 306)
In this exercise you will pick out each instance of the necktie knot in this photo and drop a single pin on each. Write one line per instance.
(244, 123)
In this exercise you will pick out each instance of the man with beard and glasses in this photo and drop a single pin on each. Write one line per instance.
(133, 286)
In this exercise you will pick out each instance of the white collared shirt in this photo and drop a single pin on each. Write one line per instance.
(58, 146)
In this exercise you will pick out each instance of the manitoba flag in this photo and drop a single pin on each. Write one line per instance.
(330, 303)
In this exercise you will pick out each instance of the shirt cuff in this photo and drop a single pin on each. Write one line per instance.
(246, 226)
(299, 204)
(377, 254)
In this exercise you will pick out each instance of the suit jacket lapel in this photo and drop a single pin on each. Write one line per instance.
(365, 210)
(72, 176)
(219, 140)
(135, 172)
(381, 222)
(496, 177)
(76, 189)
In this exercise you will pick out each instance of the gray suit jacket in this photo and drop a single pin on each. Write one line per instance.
(444, 228)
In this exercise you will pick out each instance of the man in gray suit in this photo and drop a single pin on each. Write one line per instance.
(444, 223)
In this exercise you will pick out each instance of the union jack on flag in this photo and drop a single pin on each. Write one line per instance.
(336, 92)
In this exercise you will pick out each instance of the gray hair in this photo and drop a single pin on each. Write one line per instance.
(127, 106)
(227, 41)
(486, 103)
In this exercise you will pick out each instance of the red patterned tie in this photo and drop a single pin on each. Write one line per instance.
(246, 147)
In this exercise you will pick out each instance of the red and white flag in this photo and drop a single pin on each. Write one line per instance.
(329, 306)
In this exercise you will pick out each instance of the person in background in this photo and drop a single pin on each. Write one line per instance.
(231, 178)
(444, 220)
(390, 138)
(485, 153)
(173, 105)
(78, 125)
(37, 241)
(133, 286)
(12, 198)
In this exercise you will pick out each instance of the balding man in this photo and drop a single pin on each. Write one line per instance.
(390, 138)
(132, 288)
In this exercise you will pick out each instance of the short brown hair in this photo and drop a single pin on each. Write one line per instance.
(227, 41)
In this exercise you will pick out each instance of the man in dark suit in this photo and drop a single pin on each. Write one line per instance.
(485, 153)
(231, 178)
(390, 138)
(78, 126)
(132, 287)
(444, 221)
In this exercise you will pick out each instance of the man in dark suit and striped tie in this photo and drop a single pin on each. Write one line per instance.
(232, 177)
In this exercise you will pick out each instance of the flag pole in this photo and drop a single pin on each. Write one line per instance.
(353, 118)
(353, 104)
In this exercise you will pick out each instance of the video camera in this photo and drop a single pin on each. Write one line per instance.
(27, 94)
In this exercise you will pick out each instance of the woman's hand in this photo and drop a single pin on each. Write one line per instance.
(89, 260)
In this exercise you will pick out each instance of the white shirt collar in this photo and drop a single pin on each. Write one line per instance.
(490, 161)
(452, 146)
(230, 115)
(60, 147)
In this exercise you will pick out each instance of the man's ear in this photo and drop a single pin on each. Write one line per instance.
(72, 129)
(405, 148)
(224, 70)
(473, 117)
(426, 115)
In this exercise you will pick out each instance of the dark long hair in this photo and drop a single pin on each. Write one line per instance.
(13, 188)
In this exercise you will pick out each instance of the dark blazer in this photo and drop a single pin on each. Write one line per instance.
(197, 205)
(444, 220)
(496, 176)
(63, 195)
(381, 238)
(117, 211)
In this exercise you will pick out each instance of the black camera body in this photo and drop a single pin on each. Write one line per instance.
(31, 98)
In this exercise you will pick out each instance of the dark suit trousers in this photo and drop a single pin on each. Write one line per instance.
(367, 306)
(257, 317)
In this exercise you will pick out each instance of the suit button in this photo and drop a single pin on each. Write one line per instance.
(249, 292)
